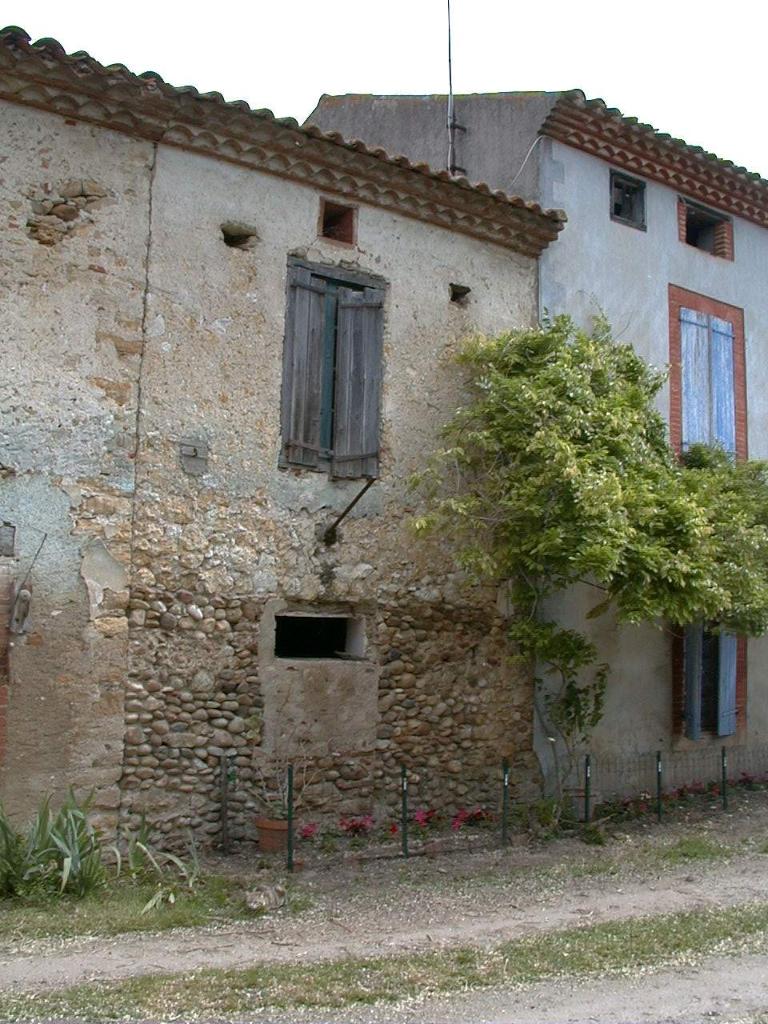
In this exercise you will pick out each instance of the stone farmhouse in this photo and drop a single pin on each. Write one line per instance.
(671, 243)
(226, 346)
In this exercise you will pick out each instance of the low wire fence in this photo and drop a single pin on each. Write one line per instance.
(603, 788)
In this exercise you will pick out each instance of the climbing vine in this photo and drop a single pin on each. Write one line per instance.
(558, 471)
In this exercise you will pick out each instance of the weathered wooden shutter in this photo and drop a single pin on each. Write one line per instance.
(722, 390)
(693, 643)
(726, 685)
(358, 383)
(302, 367)
(694, 337)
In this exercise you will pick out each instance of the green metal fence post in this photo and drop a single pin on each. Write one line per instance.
(658, 785)
(587, 787)
(289, 862)
(404, 809)
(504, 802)
(224, 804)
(724, 776)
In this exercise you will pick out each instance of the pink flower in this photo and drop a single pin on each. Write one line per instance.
(424, 816)
(459, 819)
(309, 831)
(357, 826)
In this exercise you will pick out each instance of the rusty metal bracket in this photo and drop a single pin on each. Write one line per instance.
(329, 534)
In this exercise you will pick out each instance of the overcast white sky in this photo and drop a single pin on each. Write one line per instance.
(694, 69)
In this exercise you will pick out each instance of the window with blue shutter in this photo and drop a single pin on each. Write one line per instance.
(707, 370)
(332, 371)
(709, 671)
(707, 406)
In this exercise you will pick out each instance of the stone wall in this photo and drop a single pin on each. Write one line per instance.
(74, 206)
(137, 334)
(448, 707)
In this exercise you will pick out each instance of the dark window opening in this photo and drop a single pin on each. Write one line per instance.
(460, 294)
(237, 236)
(710, 664)
(627, 200)
(710, 669)
(337, 222)
(704, 229)
(318, 636)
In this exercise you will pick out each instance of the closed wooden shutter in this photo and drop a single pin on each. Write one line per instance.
(721, 383)
(726, 690)
(692, 669)
(358, 383)
(303, 367)
(694, 339)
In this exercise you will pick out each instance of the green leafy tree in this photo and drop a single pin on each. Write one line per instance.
(559, 471)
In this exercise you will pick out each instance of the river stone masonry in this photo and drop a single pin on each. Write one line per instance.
(194, 708)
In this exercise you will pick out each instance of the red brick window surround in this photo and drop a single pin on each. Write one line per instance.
(704, 229)
(683, 303)
(680, 299)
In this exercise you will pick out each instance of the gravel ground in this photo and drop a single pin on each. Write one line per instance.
(472, 898)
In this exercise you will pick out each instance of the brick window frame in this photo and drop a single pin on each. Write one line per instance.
(680, 298)
(723, 230)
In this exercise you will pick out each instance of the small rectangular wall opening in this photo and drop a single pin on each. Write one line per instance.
(706, 230)
(337, 221)
(627, 200)
(319, 636)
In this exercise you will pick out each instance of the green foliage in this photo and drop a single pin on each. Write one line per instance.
(559, 471)
(143, 862)
(58, 853)
(62, 854)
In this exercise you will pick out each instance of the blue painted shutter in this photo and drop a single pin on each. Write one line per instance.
(693, 643)
(726, 685)
(358, 383)
(722, 391)
(302, 367)
(694, 339)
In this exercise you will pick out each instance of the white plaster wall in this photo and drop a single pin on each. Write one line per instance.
(596, 264)
(213, 361)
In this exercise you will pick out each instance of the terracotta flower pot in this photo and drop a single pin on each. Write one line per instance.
(273, 835)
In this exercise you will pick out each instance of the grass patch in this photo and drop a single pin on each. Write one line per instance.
(692, 848)
(605, 948)
(119, 909)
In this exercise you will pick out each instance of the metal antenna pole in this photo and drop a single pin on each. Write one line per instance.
(451, 116)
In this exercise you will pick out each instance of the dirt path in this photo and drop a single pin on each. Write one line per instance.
(725, 991)
(363, 921)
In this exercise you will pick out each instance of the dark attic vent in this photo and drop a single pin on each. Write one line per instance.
(238, 236)
(460, 294)
(707, 230)
(337, 222)
(318, 636)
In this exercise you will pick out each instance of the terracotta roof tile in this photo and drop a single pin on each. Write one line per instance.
(593, 126)
(84, 64)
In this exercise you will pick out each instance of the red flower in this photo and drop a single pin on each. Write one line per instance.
(459, 818)
(309, 831)
(357, 826)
